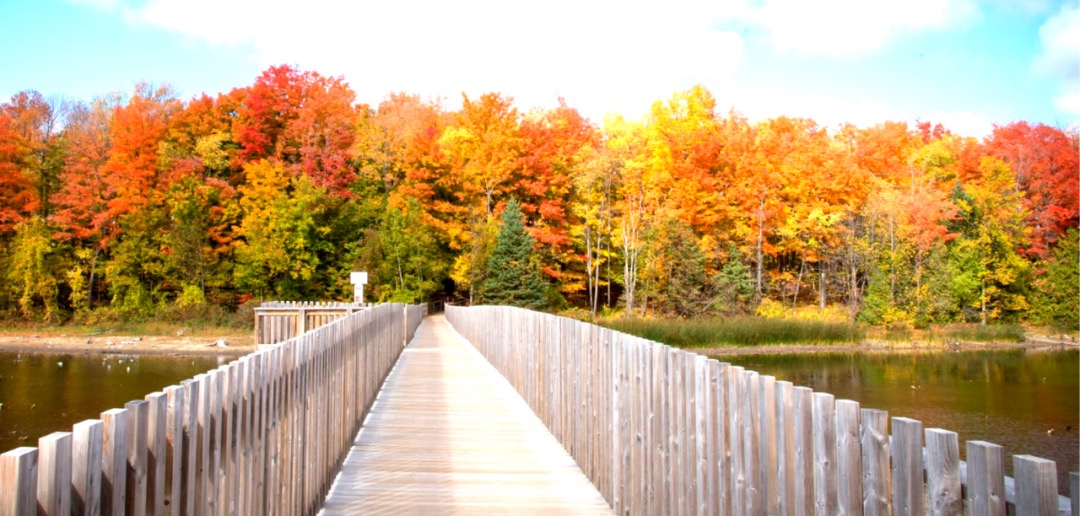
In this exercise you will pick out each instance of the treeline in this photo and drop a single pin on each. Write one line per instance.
(148, 206)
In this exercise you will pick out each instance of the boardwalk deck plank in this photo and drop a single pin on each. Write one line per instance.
(449, 435)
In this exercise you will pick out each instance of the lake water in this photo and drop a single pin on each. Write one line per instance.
(1026, 401)
(1012, 398)
(41, 396)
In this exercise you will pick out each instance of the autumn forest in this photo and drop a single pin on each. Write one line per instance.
(143, 205)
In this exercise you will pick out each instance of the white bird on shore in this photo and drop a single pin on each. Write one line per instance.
(60, 363)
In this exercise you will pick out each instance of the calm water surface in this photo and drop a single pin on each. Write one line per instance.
(1025, 401)
(1012, 398)
(41, 396)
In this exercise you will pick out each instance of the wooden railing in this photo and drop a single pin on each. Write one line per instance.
(278, 321)
(659, 430)
(414, 315)
(264, 434)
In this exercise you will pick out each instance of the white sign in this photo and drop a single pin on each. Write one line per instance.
(358, 278)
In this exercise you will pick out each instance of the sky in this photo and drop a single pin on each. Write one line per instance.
(968, 64)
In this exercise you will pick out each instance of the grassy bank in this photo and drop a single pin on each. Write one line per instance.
(742, 331)
(988, 333)
(107, 331)
(164, 321)
(954, 333)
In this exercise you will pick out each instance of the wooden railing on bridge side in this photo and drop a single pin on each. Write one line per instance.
(660, 430)
(264, 434)
(277, 321)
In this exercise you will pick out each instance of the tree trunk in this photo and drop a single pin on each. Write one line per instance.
(630, 267)
(982, 302)
(853, 278)
(628, 282)
(608, 263)
(590, 263)
(892, 263)
(821, 285)
(760, 238)
(400, 274)
(798, 283)
(93, 269)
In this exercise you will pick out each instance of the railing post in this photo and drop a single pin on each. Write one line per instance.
(907, 467)
(174, 447)
(155, 440)
(1074, 492)
(986, 478)
(825, 479)
(18, 481)
(877, 476)
(943, 472)
(114, 462)
(848, 458)
(1036, 485)
(138, 417)
(258, 327)
(86, 466)
(54, 474)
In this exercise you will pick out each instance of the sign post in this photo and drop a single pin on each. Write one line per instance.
(358, 279)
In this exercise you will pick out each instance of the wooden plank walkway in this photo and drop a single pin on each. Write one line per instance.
(449, 435)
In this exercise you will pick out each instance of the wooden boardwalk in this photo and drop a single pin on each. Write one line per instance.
(449, 435)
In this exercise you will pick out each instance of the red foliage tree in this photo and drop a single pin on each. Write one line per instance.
(1046, 162)
(304, 120)
(131, 173)
(551, 157)
(17, 198)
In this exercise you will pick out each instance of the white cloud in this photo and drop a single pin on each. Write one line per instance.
(1060, 57)
(827, 110)
(964, 123)
(833, 111)
(1060, 38)
(601, 56)
(1069, 102)
(852, 28)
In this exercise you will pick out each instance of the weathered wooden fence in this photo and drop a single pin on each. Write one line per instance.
(659, 430)
(278, 321)
(264, 434)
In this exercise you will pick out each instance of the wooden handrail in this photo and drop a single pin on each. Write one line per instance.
(263, 434)
(660, 430)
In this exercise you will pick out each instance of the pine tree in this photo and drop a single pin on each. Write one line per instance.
(513, 272)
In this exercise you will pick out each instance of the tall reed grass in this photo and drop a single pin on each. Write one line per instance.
(741, 331)
(987, 333)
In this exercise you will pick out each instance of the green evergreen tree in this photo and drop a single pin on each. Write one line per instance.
(734, 285)
(513, 271)
(674, 278)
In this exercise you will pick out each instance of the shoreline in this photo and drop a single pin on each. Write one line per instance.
(243, 344)
(1035, 345)
(112, 344)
